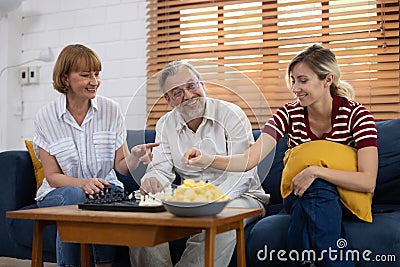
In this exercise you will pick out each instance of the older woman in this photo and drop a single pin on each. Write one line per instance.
(80, 140)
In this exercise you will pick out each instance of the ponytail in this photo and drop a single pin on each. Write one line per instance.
(342, 88)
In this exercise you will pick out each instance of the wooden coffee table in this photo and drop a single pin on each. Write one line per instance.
(132, 228)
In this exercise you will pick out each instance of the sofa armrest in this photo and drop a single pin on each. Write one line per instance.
(18, 190)
(17, 180)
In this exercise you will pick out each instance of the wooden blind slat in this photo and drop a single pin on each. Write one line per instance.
(259, 38)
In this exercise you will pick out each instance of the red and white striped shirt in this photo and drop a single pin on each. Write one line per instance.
(352, 124)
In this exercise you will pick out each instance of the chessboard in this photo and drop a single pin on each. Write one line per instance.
(125, 205)
(119, 201)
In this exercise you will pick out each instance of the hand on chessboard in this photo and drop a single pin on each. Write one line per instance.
(92, 186)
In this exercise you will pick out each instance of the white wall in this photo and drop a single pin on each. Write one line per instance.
(115, 29)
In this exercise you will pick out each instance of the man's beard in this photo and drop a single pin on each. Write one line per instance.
(192, 109)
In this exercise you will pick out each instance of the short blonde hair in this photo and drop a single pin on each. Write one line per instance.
(72, 58)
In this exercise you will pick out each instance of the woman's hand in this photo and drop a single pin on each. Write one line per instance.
(93, 185)
(194, 157)
(302, 181)
(143, 152)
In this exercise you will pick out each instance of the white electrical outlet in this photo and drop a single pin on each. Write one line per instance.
(34, 74)
(24, 75)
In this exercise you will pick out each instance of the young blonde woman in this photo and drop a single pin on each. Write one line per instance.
(323, 110)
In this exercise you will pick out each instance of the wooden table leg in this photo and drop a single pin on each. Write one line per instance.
(209, 247)
(85, 255)
(240, 246)
(37, 243)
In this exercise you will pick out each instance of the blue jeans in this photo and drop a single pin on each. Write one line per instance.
(68, 254)
(316, 226)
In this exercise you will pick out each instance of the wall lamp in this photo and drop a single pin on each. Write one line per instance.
(46, 55)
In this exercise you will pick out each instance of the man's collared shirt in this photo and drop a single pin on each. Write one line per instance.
(225, 130)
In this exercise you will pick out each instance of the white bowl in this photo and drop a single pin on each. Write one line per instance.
(194, 209)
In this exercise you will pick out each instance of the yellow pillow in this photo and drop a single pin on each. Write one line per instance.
(330, 155)
(37, 165)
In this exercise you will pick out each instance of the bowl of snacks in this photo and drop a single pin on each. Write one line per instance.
(193, 199)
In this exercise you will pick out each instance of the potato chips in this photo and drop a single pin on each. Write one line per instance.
(190, 191)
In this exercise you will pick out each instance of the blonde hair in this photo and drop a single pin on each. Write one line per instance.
(323, 62)
(72, 58)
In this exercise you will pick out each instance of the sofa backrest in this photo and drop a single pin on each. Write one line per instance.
(270, 169)
(388, 181)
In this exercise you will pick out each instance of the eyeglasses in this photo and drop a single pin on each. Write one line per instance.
(180, 92)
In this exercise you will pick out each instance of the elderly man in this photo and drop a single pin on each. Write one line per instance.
(214, 126)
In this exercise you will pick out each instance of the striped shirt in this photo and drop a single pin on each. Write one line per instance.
(352, 124)
(82, 151)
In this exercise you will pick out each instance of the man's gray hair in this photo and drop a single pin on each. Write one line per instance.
(172, 69)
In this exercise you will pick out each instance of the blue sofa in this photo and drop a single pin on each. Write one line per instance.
(264, 238)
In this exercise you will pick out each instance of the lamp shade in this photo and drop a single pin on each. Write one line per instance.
(8, 5)
(46, 55)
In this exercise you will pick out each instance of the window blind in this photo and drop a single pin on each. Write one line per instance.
(243, 48)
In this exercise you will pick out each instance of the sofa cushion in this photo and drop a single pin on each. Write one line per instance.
(37, 165)
(331, 155)
(388, 181)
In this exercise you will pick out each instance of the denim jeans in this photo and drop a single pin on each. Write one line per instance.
(316, 226)
(68, 254)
